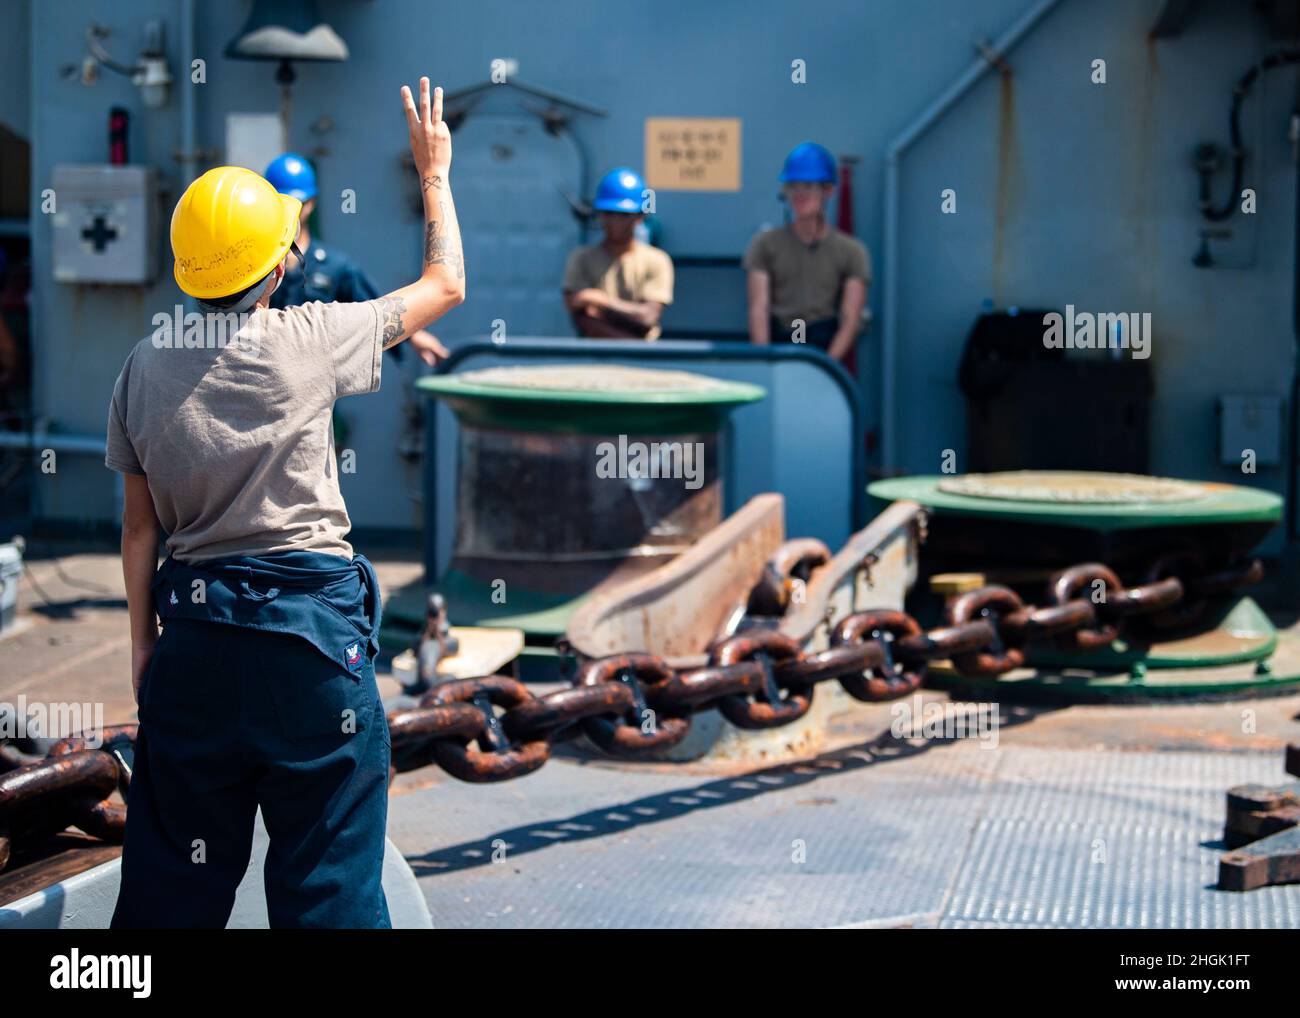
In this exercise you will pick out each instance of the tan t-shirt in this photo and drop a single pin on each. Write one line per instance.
(807, 279)
(233, 431)
(642, 273)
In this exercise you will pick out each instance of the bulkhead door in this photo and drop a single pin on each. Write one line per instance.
(509, 178)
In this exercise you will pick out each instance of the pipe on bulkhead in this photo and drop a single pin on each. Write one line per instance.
(189, 156)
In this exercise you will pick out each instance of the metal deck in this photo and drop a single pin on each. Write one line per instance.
(896, 833)
(915, 833)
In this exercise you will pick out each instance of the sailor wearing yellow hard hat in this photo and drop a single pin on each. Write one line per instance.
(259, 692)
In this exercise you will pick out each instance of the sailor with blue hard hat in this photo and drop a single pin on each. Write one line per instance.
(620, 190)
(291, 174)
(808, 162)
(807, 281)
(617, 289)
(317, 272)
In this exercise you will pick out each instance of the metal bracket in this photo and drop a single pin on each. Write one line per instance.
(494, 735)
(993, 57)
(1263, 830)
(771, 691)
(637, 712)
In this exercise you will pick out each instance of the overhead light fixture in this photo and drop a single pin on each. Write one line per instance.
(285, 31)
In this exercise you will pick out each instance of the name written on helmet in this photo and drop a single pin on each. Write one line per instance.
(234, 259)
(228, 268)
(215, 330)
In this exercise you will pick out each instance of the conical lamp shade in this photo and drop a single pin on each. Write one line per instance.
(286, 30)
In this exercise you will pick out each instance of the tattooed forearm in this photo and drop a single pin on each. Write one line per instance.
(441, 249)
(391, 310)
(434, 181)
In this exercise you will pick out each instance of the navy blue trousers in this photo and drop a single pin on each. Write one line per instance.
(233, 718)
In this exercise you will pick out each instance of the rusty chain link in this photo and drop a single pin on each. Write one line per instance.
(632, 704)
(494, 728)
(793, 562)
(72, 786)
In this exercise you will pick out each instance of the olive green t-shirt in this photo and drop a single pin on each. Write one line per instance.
(642, 273)
(807, 279)
(231, 426)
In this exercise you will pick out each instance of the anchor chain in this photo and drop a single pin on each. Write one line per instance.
(71, 786)
(634, 704)
(494, 728)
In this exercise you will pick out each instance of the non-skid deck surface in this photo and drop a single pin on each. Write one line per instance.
(881, 834)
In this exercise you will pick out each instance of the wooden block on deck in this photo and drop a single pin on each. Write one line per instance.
(948, 584)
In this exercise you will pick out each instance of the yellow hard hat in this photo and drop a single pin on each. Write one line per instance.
(229, 230)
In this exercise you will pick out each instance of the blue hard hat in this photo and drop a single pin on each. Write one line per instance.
(810, 162)
(620, 190)
(292, 175)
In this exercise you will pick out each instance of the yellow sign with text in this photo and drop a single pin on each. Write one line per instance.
(692, 153)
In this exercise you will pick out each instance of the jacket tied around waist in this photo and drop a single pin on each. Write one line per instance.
(332, 603)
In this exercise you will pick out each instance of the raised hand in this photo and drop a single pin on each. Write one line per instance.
(441, 285)
(430, 136)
